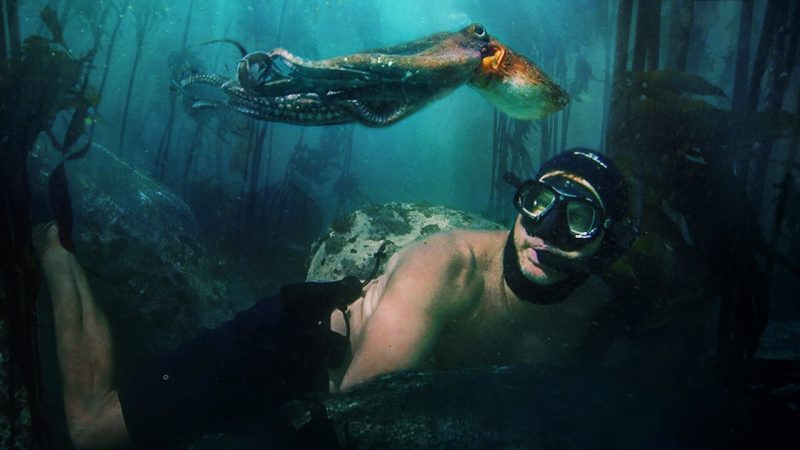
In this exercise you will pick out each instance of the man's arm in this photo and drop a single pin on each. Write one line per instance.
(432, 282)
(85, 352)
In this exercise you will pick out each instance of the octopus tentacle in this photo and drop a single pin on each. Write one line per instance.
(203, 78)
(293, 108)
(371, 116)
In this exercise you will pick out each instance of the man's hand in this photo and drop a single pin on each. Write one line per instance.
(310, 306)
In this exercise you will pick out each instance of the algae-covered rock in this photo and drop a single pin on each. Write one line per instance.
(349, 246)
(140, 246)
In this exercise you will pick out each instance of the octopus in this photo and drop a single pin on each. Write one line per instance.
(379, 87)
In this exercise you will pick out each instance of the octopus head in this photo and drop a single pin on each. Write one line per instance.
(515, 85)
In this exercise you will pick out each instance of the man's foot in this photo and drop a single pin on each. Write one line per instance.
(45, 238)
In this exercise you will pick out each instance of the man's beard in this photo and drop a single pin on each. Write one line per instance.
(532, 292)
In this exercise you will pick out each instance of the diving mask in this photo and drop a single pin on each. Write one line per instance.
(561, 211)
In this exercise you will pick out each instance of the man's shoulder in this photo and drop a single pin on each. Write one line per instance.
(471, 246)
(466, 240)
(458, 256)
(460, 247)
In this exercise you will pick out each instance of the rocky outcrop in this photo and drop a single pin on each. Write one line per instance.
(350, 245)
(140, 246)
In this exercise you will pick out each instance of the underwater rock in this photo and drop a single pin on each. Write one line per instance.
(349, 246)
(779, 341)
(140, 247)
(519, 407)
(539, 407)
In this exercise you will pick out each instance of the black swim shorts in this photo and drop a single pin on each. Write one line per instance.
(246, 367)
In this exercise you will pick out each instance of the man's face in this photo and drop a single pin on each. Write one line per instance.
(530, 247)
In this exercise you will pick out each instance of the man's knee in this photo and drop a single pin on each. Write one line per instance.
(97, 423)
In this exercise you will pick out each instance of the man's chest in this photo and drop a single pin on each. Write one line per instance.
(544, 334)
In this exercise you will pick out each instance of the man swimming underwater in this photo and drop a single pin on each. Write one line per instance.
(456, 299)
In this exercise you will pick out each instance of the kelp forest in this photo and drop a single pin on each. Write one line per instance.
(181, 209)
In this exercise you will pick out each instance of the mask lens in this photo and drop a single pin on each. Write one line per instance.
(580, 217)
(537, 200)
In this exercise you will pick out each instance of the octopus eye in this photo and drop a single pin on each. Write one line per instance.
(479, 31)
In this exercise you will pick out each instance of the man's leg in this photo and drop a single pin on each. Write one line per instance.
(278, 349)
(85, 351)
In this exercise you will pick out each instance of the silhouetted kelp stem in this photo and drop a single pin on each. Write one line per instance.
(14, 38)
(560, 74)
(194, 144)
(565, 114)
(255, 170)
(654, 38)
(760, 60)
(544, 138)
(166, 137)
(281, 22)
(145, 19)
(225, 35)
(19, 128)
(620, 69)
(255, 148)
(3, 52)
(639, 37)
(346, 147)
(783, 61)
(219, 149)
(784, 187)
(121, 13)
(607, 52)
(493, 181)
(739, 96)
(560, 141)
(496, 208)
(291, 200)
(646, 41)
(251, 137)
(286, 192)
(270, 147)
(549, 124)
(564, 127)
(509, 155)
(66, 8)
(680, 34)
